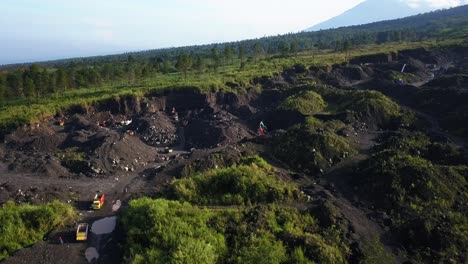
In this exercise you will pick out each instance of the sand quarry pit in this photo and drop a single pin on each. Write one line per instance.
(105, 148)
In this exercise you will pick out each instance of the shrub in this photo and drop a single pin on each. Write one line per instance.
(312, 146)
(250, 182)
(23, 225)
(305, 102)
(161, 231)
(73, 159)
(405, 178)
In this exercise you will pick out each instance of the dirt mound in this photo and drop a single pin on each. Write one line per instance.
(79, 122)
(155, 130)
(351, 72)
(121, 152)
(220, 128)
(39, 139)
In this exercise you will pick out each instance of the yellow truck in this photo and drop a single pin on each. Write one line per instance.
(82, 232)
(98, 201)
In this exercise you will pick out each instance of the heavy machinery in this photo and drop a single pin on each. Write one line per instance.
(82, 232)
(98, 201)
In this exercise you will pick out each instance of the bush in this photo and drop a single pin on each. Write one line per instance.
(312, 146)
(305, 102)
(250, 182)
(405, 178)
(23, 225)
(262, 249)
(161, 231)
(73, 159)
(369, 105)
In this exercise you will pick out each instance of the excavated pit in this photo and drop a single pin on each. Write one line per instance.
(129, 134)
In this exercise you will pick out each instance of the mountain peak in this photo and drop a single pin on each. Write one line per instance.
(371, 11)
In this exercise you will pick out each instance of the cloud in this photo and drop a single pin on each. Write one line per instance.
(96, 22)
(101, 29)
(434, 3)
(104, 34)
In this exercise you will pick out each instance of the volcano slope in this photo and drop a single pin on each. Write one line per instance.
(344, 175)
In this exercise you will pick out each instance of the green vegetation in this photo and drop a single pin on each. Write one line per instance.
(162, 231)
(364, 105)
(367, 105)
(28, 94)
(73, 159)
(312, 146)
(58, 89)
(316, 145)
(306, 103)
(23, 225)
(251, 182)
(374, 252)
(423, 191)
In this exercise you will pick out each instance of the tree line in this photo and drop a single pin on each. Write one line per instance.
(39, 80)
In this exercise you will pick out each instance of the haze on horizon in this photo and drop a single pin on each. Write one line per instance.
(54, 29)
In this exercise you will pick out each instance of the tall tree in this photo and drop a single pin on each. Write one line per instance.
(166, 66)
(241, 55)
(184, 63)
(52, 83)
(257, 51)
(198, 64)
(43, 87)
(283, 48)
(227, 54)
(216, 58)
(28, 84)
(294, 47)
(346, 47)
(62, 80)
(15, 84)
(2, 89)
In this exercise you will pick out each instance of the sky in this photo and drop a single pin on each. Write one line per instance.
(36, 30)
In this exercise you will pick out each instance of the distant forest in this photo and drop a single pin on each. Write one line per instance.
(40, 79)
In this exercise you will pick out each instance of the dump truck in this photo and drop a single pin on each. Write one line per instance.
(82, 232)
(98, 201)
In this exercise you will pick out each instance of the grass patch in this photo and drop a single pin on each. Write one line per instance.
(251, 182)
(305, 102)
(313, 146)
(162, 231)
(23, 225)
